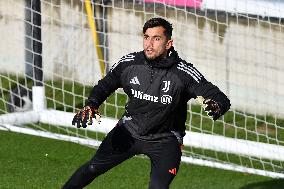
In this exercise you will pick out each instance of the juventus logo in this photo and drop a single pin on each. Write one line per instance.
(166, 87)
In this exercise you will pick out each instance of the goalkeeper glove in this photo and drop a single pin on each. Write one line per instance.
(84, 117)
(211, 107)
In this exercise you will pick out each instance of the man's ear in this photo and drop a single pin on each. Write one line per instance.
(169, 44)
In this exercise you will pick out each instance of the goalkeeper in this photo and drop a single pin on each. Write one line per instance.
(159, 84)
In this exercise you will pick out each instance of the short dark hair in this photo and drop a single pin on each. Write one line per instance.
(155, 22)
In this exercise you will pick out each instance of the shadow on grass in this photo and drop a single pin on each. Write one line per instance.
(272, 184)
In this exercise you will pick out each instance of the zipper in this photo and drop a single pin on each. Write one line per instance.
(152, 74)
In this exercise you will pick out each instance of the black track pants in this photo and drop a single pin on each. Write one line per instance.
(118, 146)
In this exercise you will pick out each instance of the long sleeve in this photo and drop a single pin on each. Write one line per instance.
(197, 85)
(105, 87)
(209, 91)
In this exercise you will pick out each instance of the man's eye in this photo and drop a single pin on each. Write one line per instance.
(146, 37)
(157, 39)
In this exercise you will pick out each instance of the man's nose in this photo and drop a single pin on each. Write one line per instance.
(150, 42)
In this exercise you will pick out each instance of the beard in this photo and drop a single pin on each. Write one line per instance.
(155, 57)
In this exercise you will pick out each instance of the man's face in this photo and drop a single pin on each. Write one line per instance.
(155, 43)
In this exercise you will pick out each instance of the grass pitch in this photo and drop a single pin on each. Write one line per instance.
(29, 162)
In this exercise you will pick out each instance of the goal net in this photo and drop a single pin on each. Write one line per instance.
(53, 52)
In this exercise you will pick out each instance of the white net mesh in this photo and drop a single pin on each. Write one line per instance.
(237, 45)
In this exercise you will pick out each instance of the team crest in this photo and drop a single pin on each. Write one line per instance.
(166, 87)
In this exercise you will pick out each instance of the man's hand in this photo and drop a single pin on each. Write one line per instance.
(85, 117)
(211, 107)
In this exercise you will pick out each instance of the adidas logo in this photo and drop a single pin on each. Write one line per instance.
(173, 171)
(135, 81)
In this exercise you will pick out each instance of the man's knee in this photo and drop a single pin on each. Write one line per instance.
(95, 169)
(91, 168)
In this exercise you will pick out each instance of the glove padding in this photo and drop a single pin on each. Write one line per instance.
(211, 107)
(85, 117)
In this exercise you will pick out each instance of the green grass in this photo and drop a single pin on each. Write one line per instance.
(25, 165)
(65, 95)
(189, 151)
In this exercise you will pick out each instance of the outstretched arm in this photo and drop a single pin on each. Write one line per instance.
(99, 93)
(103, 89)
(213, 100)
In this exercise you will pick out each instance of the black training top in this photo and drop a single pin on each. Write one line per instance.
(158, 93)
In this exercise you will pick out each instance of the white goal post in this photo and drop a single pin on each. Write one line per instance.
(62, 48)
